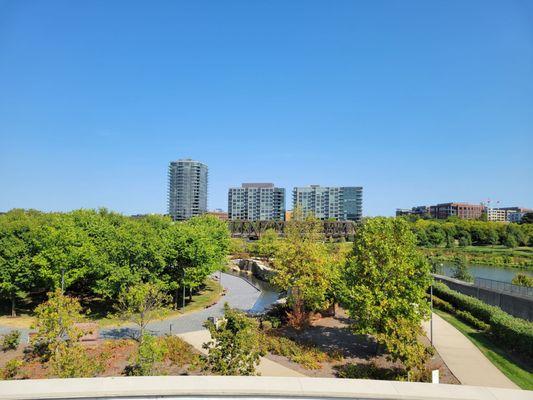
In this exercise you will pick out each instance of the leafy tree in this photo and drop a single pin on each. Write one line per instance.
(17, 276)
(303, 266)
(58, 337)
(522, 279)
(150, 352)
(460, 270)
(527, 218)
(386, 281)
(268, 244)
(234, 348)
(141, 304)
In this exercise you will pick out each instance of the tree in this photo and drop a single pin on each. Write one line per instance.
(303, 266)
(141, 304)
(234, 347)
(527, 218)
(522, 279)
(268, 244)
(386, 281)
(460, 270)
(58, 337)
(16, 273)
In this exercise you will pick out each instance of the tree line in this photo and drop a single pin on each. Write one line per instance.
(457, 232)
(95, 254)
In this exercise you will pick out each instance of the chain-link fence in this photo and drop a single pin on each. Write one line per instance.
(504, 287)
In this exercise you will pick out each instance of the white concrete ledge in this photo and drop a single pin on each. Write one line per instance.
(246, 387)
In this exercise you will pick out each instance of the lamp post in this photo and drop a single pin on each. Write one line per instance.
(431, 315)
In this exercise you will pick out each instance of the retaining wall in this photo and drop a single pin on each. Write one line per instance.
(516, 305)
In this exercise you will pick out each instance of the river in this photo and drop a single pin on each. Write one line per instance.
(487, 272)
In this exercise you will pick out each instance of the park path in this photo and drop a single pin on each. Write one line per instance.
(464, 359)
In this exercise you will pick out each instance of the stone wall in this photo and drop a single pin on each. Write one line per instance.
(516, 305)
(256, 267)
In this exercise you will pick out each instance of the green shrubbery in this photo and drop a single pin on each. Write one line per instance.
(461, 314)
(512, 333)
(10, 341)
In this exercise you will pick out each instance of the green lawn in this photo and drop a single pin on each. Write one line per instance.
(498, 256)
(515, 370)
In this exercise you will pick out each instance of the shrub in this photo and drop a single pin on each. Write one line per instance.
(150, 351)
(308, 357)
(11, 369)
(461, 314)
(514, 334)
(470, 319)
(370, 371)
(177, 351)
(10, 341)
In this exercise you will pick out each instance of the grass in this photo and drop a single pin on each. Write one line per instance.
(207, 296)
(515, 370)
(498, 256)
(21, 321)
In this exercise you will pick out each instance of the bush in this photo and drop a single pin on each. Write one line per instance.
(11, 369)
(150, 351)
(10, 341)
(470, 319)
(514, 334)
(461, 314)
(371, 371)
(177, 351)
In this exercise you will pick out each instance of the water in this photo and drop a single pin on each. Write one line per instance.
(487, 272)
(269, 295)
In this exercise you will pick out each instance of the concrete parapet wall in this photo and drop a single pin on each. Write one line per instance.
(518, 306)
(245, 387)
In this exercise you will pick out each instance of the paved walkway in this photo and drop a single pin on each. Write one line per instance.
(240, 294)
(463, 358)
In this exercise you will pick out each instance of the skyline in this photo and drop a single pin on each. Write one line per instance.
(417, 103)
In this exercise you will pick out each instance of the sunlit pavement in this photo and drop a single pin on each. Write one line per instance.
(464, 359)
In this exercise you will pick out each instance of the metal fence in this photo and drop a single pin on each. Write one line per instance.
(504, 287)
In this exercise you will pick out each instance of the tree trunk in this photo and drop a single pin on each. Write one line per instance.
(13, 311)
(190, 294)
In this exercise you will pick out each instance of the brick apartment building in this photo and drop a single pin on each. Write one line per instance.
(460, 210)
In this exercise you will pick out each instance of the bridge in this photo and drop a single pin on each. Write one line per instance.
(255, 229)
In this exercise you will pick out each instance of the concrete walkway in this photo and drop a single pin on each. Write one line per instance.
(463, 358)
(266, 367)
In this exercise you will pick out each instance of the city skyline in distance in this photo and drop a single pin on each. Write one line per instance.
(418, 103)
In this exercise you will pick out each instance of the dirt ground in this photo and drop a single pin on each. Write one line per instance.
(332, 334)
(117, 354)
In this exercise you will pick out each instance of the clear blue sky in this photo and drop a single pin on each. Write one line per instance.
(417, 101)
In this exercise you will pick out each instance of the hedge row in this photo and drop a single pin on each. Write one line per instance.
(461, 314)
(514, 334)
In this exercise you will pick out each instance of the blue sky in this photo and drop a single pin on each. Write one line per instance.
(417, 101)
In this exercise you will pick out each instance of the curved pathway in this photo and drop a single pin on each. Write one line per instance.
(463, 358)
(240, 294)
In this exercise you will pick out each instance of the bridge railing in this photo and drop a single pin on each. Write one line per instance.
(254, 229)
(503, 287)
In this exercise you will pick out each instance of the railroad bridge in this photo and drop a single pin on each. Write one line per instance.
(254, 229)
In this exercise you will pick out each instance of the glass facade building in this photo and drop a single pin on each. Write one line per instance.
(187, 189)
(337, 203)
(256, 202)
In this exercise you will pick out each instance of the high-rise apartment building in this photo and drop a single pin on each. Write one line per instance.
(256, 202)
(187, 189)
(338, 203)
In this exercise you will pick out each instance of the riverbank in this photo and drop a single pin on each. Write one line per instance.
(497, 256)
